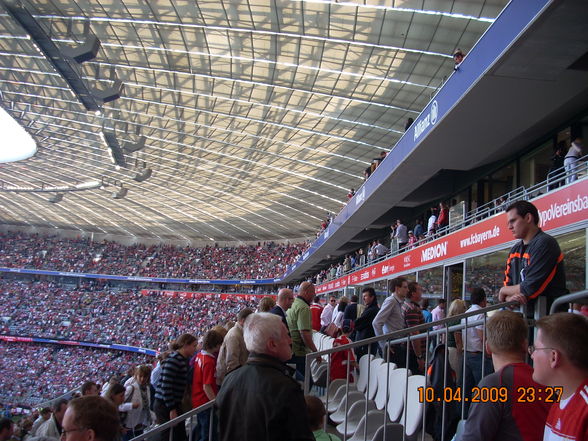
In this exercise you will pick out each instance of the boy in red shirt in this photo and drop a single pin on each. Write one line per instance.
(204, 388)
(339, 359)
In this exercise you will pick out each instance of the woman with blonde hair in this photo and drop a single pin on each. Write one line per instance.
(454, 341)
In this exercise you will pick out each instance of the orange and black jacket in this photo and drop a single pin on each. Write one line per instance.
(538, 267)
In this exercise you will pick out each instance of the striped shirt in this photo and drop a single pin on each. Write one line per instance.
(172, 382)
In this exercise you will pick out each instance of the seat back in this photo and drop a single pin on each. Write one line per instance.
(414, 408)
(372, 386)
(397, 379)
(363, 371)
(383, 384)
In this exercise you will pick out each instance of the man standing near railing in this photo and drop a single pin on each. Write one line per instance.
(535, 264)
(300, 325)
(364, 323)
(478, 363)
(413, 316)
(261, 400)
(390, 319)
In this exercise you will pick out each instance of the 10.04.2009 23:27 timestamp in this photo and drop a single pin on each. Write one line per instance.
(491, 395)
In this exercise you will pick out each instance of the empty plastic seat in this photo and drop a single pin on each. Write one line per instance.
(363, 371)
(339, 415)
(397, 387)
(373, 421)
(384, 371)
(354, 415)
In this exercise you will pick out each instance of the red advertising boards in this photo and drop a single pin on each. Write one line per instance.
(557, 209)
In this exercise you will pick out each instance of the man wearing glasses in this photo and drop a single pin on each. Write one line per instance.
(327, 314)
(90, 418)
(560, 360)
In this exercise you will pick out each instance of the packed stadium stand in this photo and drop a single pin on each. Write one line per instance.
(259, 261)
(33, 374)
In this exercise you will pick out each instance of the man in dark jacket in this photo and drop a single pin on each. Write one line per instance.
(363, 325)
(261, 400)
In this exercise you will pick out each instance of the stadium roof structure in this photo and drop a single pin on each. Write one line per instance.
(213, 120)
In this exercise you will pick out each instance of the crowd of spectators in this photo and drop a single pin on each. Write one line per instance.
(151, 320)
(264, 260)
(32, 373)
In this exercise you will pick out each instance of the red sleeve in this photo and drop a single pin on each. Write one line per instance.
(209, 372)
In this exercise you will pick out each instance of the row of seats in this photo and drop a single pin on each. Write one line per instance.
(384, 399)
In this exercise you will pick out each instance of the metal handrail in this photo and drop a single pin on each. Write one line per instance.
(482, 212)
(399, 336)
(173, 423)
(568, 298)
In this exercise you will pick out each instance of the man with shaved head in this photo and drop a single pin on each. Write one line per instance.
(300, 325)
(285, 300)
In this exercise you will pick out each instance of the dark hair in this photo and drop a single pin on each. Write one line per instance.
(87, 386)
(211, 340)
(354, 298)
(396, 282)
(183, 340)
(523, 208)
(371, 291)
(98, 414)
(244, 313)
(115, 389)
(57, 405)
(5, 423)
(442, 300)
(478, 296)
(315, 410)
(316, 299)
(45, 411)
(567, 332)
(412, 288)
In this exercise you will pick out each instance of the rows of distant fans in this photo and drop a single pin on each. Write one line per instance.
(264, 260)
(44, 309)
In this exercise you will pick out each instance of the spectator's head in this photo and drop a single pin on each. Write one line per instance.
(343, 301)
(458, 306)
(45, 413)
(142, 374)
(285, 298)
(90, 418)
(522, 218)
(116, 394)
(347, 326)
(425, 304)
(354, 298)
(306, 291)
(399, 286)
(316, 300)
(442, 304)
(59, 408)
(266, 304)
(415, 292)
(332, 301)
(561, 349)
(478, 297)
(369, 295)
(315, 409)
(6, 429)
(89, 388)
(264, 333)
(212, 342)
(220, 330)
(458, 56)
(243, 314)
(506, 335)
(185, 345)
